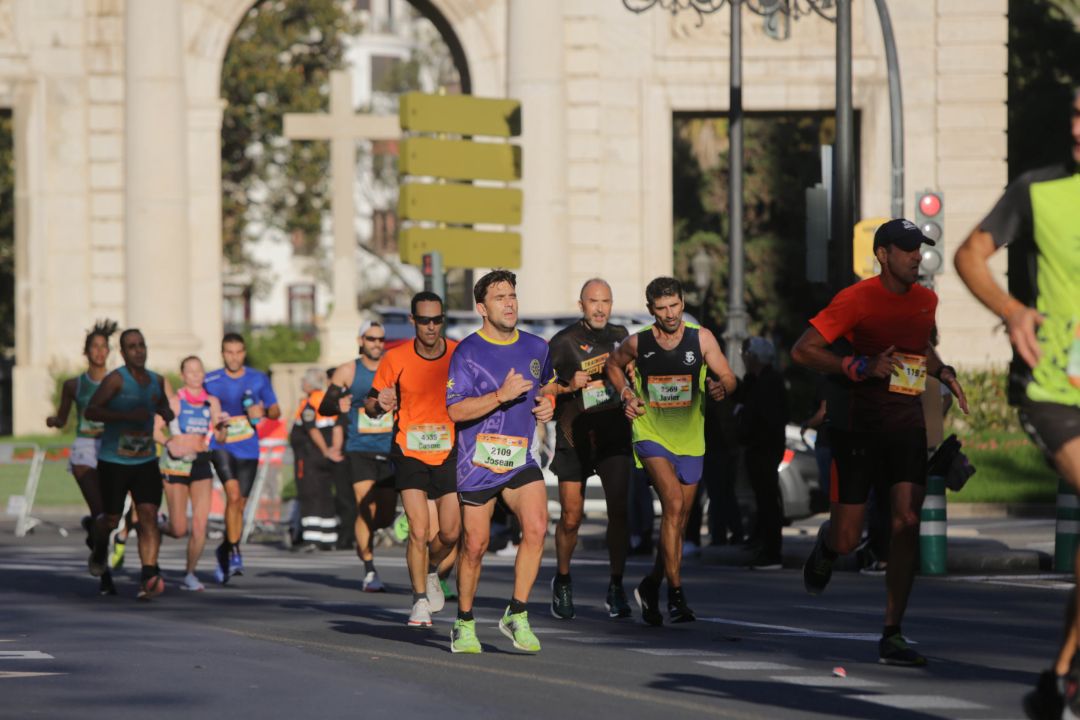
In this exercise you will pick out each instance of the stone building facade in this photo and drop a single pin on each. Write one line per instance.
(118, 122)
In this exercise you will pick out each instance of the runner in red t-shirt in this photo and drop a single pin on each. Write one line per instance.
(888, 319)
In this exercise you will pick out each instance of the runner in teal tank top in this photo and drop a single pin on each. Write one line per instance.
(665, 404)
(126, 401)
(83, 460)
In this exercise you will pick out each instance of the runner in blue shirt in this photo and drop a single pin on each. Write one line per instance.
(246, 397)
(494, 396)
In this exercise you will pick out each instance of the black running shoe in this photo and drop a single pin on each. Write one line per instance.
(562, 600)
(87, 524)
(106, 587)
(647, 594)
(894, 650)
(98, 561)
(1046, 701)
(616, 602)
(1071, 694)
(817, 569)
(221, 572)
(677, 608)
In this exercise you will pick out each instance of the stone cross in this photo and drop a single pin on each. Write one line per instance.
(342, 127)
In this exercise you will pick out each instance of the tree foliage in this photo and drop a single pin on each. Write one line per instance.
(278, 62)
(1044, 67)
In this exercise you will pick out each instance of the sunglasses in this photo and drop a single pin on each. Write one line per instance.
(375, 338)
(429, 319)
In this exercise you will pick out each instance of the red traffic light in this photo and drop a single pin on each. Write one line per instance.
(930, 204)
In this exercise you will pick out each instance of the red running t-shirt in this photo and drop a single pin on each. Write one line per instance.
(872, 318)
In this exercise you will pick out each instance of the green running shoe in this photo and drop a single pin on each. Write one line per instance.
(463, 637)
(401, 528)
(516, 627)
(894, 650)
(116, 560)
(448, 590)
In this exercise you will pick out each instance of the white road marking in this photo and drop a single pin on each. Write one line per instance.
(679, 652)
(845, 611)
(24, 655)
(826, 681)
(790, 631)
(746, 665)
(277, 598)
(11, 675)
(602, 640)
(919, 702)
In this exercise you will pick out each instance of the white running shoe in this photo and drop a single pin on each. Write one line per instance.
(421, 614)
(509, 551)
(436, 599)
(372, 583)
(192, 583)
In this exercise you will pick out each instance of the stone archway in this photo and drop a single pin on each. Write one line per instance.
(474, 31)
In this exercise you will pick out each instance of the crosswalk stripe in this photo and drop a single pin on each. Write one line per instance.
(826, 681)
(678, 652)
(24, 655)
(746, 665)
(11, 675)
(920, 702)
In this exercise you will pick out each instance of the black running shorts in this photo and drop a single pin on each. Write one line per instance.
(596, 438)
(1050, 425)
(435, 480)
(519, 479)
(143, 481)
(229, 467)
(861, 460)
(367, 466)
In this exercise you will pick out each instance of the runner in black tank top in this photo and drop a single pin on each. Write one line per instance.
(592, 436)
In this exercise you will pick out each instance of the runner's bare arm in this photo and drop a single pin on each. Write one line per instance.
(163, 407)
(718, 364)
(514, 385)
(273, 412)
(972, 261)
(67, 397)
(811, 351)
(107, 390)
(946, 374)
(616, 370)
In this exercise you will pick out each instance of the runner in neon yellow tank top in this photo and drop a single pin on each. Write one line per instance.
(82, 462)
(1038, 219)
(665, 405)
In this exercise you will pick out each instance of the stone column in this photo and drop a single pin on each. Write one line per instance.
(157, 254)
(536, 78)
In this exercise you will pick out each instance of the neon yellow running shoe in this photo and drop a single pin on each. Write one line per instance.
(463, 637)
(401, 528)
(116, 559)
(516, 627)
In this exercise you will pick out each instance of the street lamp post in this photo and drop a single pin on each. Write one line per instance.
(736, 323)
(701, 267)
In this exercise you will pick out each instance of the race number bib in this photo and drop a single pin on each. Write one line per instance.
(910, 377)
(500, 453)
(238, 428)
(135, 445)
(366, 425)
(595, 393)
(1073, 366)
(428, 438)
(175, 467)
(669, 391)
(90, 428)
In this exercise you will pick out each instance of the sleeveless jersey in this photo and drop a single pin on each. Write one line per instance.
(84, 390)
(366, 434)
(194, 418)
(672, 384)
(126, 442)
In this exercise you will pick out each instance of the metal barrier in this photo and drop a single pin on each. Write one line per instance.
(271, 458)
(22, 506)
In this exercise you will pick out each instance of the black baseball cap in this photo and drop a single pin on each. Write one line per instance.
(902, 233)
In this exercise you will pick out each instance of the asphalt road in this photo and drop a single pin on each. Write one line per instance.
(294, 638)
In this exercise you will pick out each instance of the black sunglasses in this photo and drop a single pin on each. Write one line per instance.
(375, 338)
(429, 319)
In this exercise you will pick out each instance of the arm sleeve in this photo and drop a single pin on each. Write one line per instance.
(1011, 214)
(839, 317)
(459, 386)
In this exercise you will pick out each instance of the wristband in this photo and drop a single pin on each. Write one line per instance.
(855, 367)
(950, 368)
(1011, 305)
(551, 398)
(622, 394)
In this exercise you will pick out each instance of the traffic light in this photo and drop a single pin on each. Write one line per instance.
(930, 217)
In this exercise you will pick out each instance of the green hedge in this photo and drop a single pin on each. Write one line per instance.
(990, 409)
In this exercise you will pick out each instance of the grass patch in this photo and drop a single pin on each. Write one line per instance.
(1010, 469)
(56, 486)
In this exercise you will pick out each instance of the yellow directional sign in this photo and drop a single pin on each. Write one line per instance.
(461, 247)
(862, 249)
(460, 115)
(459, 159)
(459, 204)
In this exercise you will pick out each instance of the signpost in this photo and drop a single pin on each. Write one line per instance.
(440, 162)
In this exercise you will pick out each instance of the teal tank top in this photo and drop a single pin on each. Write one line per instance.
(84, 390)
(131, 443)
